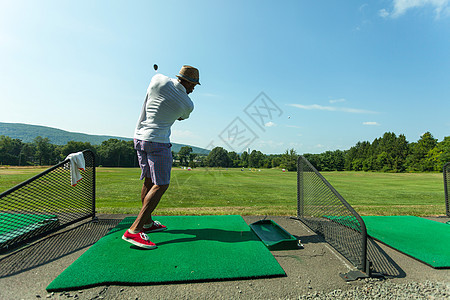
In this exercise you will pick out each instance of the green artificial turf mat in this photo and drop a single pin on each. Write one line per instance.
(14, 225)
(193, 248)
(423, 239)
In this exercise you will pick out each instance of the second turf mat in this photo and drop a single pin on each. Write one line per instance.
(193, 248)
(15, 225)
(423, 239)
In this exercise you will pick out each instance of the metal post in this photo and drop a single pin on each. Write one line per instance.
(446, 179)
(299, 188)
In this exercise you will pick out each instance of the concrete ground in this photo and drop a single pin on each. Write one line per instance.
(26, 272)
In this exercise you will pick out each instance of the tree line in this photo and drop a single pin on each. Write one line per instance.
(219, 157)
(111, 153)
(120, 153)
(390, 153)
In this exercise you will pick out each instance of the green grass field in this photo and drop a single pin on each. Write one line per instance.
(265, 192)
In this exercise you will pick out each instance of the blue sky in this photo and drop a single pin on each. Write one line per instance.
(307, 75)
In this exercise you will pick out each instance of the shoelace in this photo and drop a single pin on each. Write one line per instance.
(143, 236)
(157, 223)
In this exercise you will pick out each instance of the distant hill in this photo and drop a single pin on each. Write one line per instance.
(27, 133)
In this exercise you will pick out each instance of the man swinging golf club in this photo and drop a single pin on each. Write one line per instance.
(166, 101)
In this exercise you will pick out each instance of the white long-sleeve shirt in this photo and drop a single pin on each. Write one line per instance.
(166, 102)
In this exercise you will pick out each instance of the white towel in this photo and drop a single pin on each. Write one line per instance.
(77, 163)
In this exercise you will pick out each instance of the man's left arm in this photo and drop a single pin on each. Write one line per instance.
(186, 114)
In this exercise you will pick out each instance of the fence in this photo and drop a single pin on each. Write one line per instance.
(325, 211)
(446, 181)
(46, 203)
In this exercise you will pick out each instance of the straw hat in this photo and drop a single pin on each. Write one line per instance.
(190, 74)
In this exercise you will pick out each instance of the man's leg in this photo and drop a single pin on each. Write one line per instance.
(155, 160)
(146, 188)
(151, 195)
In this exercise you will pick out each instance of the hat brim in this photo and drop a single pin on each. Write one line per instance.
(188, 79)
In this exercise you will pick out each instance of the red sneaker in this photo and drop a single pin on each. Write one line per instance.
(156, 226)
(139, 239)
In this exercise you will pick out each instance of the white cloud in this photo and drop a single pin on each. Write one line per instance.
(337, 100)
(332, 108)
(270, 124)
(441, 7)
(383, 13)
(371, 123)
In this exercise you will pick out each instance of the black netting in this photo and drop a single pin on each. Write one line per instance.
(446, 183)
(46, 202)
(326, 212)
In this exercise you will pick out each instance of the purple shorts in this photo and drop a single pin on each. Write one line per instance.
(155, 160)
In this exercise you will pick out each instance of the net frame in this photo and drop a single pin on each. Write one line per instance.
(328, 214)
(446, 173)
(46, 203)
